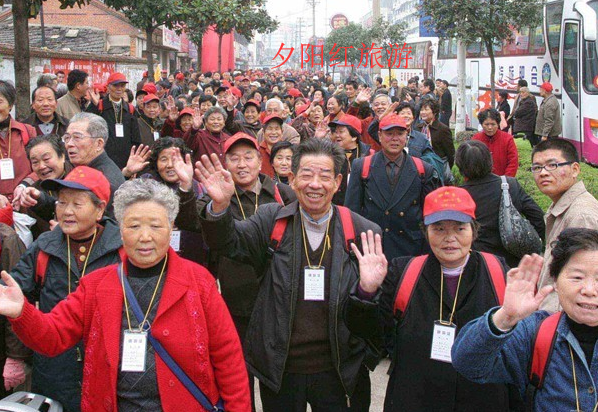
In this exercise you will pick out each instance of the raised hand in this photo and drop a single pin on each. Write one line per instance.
(173, 112)
(230, 100)
(364, 96)
(11, 297)
(321, 130)
(137, 160)
(17, 197)
(521, 298)
(93, 96)
(30, 197)
(197, 119)
(389, 110)
(217, 181)
(372, 262)
(183, 169)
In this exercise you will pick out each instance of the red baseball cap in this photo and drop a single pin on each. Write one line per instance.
(236, 138)
(185, 111)
(144, 74)
(252, 102)
(116, 78)
(449, 203)
(294, 93)
(180, 76)
(347, 120)
(546, 86)
(236, 92)
(273, 116)
(82, 178)
(150, 98)
(149, 88)
(392, 120)
(301, 109)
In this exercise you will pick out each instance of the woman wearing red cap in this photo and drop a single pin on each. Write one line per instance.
(309, 117)
(82, 242)
(177, 123)
(423, 302)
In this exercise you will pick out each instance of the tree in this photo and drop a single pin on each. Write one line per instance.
(390, 37)
(488, 21)
(345, 44)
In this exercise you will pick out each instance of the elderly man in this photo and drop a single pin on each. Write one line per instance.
(75, 101)
(44, 117)
(556, 170)
(297, 343)
(548, 122)
(524, 115)
(389, 189)
(123, 127)
(275, 106)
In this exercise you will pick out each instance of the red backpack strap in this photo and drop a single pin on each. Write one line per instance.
(372, 152)
(277, 196)
(122, 254)
(367, 163)
(131, 109)
(30, 133)
(276, 236)
(101, 105)
(543, 346)
(41, 265)
(410, 278)
(496, 275)
(348, 228)
(419, 165)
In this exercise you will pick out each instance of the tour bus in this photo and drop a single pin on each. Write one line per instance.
(562, 51)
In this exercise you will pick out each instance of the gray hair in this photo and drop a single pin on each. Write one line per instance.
(145, 190)
(215, 109)
(523, 90)
(378, 95)
(96, 127)
(277, 101)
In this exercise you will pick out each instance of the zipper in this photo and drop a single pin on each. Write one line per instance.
(338, 352)
(293, 298)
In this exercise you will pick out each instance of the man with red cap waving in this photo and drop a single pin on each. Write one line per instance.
(123, 129)
(388, 188)
(548, 122)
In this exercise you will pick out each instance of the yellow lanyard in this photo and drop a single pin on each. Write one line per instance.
(575, 382)
(9, 137)
(122, 103)
(148, 125)
(450, 321)
(241, 206)
(151, 303)
(326, 241)
(68, 257)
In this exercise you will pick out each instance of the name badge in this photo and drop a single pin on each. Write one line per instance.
(7, 169)
(175, 240)
(313, 286)
(120, 130)
(134, 351)
(442, 341)
(156, 136)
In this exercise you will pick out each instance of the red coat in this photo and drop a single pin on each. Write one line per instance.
(192, 323)
(505, 158)
(203, 141)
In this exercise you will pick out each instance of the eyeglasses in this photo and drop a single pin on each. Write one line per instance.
(75, 137)
(548, 167)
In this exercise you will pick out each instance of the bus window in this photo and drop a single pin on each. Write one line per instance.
(554, 15)
(537, 45)
(590, 61)
(570, 61)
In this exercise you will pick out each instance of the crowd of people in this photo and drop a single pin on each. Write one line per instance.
(165, 245)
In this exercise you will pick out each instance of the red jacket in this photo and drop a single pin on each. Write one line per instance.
(205, 142)
(505, 158)
(192, 323)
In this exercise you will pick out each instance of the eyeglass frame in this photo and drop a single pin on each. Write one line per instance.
(553, 166)
(77, 137)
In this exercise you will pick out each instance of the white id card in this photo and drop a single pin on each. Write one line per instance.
(313, 286)
(7, 169)
(175, 240)
(442, 341)
(134, 351)
(156, 136)
(120, 130)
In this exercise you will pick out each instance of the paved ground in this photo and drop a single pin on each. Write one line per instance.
(379, 380)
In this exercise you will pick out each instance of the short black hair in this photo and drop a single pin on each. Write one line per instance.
(490, 113)
(352, 83)
(379, 80)
(567, 149)
(569, 242)
(324, 147)
(166, 143)
(412, 80)
(522, 83)
(429, 84)
(59, 72)
(341, 99)
(432, 103)
(205, 98)
(8, 91)
(405, 105)
(54, 140)
(75, 77)
(474, 160)
(278, 146)
(41, 87)
(445, 82)
(504, 94)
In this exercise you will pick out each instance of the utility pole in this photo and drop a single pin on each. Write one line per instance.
(300, 26)
(313, 4)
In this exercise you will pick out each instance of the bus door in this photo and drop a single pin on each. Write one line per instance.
(570, 76)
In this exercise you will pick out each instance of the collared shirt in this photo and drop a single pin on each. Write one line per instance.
(46, 127)
(393, 172)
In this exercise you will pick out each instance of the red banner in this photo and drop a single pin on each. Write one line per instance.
(98, 70)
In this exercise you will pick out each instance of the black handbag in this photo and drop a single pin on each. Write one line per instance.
(517, 234)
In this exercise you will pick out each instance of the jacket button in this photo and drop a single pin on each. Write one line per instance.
(415, 202)
(387, 230)
(591, 389)
(400, 232)
(165, 332)
(171, 383)
(401, 214)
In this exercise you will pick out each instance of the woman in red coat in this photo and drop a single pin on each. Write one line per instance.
(182, 307)
(505, 158)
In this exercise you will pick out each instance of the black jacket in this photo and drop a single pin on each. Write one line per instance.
(486, 193)
(268, 338)
(114, 175)
(524, 118)
(59, 128)
(418, 383)
(118, 148)
(362, 151)
(442, 140)
(504, 107)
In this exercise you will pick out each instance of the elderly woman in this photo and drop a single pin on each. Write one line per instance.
(336, 106)
(177, 123)
(524, 116)
(210, 139)
(475, 165)
(501, 345)
(281, 159)
(423, 297)
(505, 158)
(55, 263)
(169, 301)
(308, 118)
(14, 136)
(438, 134)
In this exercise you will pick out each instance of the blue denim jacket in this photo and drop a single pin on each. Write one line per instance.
(483, 357)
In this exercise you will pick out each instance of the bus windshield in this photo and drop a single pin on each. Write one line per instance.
(590, 55)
